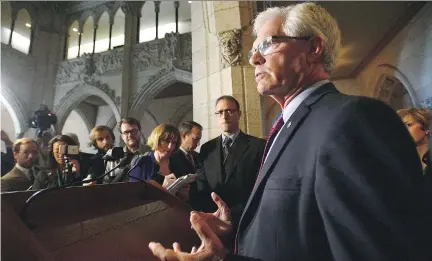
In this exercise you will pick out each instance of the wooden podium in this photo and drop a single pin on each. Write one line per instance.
(102, 222)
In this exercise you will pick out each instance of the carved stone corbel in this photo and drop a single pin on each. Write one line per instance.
(230, 47)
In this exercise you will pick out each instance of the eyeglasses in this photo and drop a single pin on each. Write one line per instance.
(265, 47)
(228, 111)
(131, 132)
(28, 152)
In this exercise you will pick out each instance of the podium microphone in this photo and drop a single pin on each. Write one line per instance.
(114, 154)
(134, 163)
(123, 162)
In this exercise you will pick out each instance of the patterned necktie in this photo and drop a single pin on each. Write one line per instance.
(31, 175)
(273, 132)
(226, 146)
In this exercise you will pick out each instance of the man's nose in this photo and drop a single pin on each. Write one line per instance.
(256, 59)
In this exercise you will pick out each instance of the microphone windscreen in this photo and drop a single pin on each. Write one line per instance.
(114, 154)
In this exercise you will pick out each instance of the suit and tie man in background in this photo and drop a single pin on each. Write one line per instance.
(22, 175)
(340, 173)
(185, 160)
(230, 162)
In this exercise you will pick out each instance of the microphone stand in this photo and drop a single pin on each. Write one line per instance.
(43, 191)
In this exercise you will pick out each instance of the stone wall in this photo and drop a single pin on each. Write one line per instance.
(408, 57)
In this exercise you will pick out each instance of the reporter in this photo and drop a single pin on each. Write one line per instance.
(163, 141)
(60, 173)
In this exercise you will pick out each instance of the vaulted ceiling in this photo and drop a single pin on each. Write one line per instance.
(367, 27)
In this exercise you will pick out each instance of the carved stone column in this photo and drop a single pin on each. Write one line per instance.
(222, 36)
(111, 23)
(14, 17)
(128, 75)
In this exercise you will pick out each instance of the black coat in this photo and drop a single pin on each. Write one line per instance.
(242, 164)
(180, 165)
(339, 184)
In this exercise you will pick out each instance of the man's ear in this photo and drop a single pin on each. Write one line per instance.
(316, 49)
(15, 154)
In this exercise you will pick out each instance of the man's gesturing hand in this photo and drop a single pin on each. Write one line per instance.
(211, 248)
(219, 221)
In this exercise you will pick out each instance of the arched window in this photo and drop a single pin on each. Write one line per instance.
(22, 32)
(72, 40)
(87, 37)
(102, 35)
(147, 30)
(166, 21)
(184, 19)
(117, 37)
(166, 18)
(6, 21)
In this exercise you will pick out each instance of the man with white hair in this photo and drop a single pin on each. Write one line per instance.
(338, 176)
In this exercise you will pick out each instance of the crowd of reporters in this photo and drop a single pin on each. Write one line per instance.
(168, 154)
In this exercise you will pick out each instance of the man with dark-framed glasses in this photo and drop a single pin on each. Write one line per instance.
(230, 162)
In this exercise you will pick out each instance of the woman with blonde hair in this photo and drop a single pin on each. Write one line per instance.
(164, 140)
(417, 121)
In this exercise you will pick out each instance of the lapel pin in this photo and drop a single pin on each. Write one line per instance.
(289, 124)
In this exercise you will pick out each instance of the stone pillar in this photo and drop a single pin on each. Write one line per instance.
(47, 51)
(130, 10)
(221, 40)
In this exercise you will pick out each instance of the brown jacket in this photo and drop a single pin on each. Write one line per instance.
(15, 180)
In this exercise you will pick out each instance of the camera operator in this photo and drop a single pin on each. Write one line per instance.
(42, 119)
(64, 169)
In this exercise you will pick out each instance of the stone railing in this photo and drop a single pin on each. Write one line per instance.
(172, 52)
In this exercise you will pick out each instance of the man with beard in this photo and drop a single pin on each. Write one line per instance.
(102, 138)
(130, 130)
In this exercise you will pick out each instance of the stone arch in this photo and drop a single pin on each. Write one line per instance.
(182, 111)
(74, 97)
(152, 88)
(111, 123)
(16, 110)
(84, 118)
(383, 70)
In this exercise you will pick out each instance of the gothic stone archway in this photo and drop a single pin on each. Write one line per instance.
(78, 94)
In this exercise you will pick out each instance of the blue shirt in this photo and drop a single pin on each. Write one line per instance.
(146, 169)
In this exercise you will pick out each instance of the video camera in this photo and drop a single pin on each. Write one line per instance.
(42, 119)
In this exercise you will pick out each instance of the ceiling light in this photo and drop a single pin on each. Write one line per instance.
(189, 2)
(74, 29)
(28, 25)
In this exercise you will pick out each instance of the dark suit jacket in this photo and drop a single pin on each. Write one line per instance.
(15, 180)
(180, 165)
(243, 166)
(338, 184)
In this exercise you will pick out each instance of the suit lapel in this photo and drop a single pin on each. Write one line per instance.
(239, 147)
(216, 161)
(285, 135)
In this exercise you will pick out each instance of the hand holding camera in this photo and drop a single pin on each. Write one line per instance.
(68, 151)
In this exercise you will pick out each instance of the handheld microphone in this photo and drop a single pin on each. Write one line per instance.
(114, 154)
